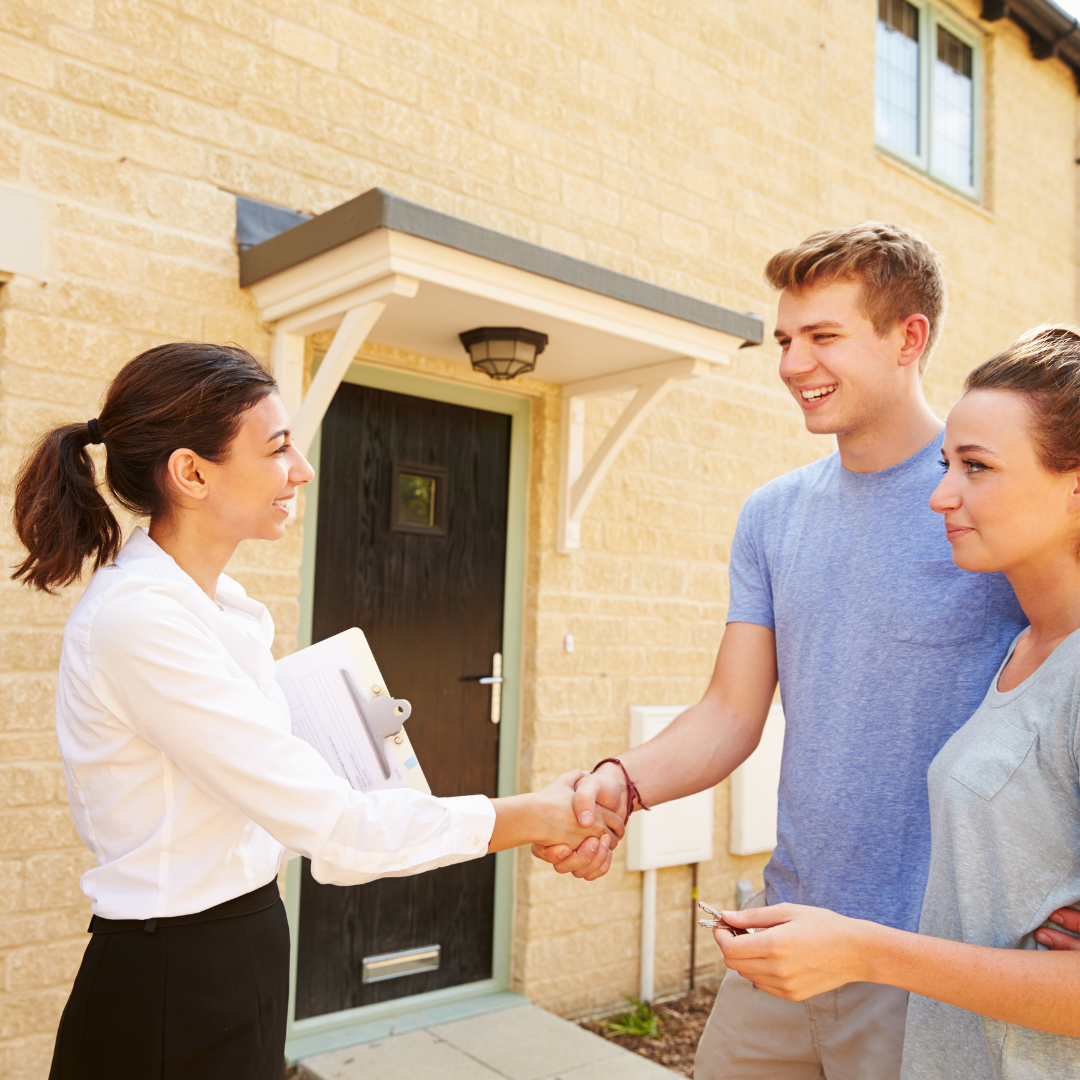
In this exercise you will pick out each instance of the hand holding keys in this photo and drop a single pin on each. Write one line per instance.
(718, 921)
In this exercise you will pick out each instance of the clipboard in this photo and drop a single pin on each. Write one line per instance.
(339, 703)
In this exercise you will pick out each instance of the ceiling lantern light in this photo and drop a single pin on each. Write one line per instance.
(503, 352)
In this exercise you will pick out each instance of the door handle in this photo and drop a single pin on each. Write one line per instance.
(495, 681)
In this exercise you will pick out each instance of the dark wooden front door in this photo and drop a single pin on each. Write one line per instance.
(411, 548)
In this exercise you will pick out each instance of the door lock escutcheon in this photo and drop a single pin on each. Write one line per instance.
(495, 681)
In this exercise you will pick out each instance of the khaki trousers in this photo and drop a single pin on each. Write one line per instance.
(855, 1032)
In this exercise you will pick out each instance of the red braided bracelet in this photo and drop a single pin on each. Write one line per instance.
(632, 792)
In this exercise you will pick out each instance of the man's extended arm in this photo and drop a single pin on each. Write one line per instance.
(696, 751)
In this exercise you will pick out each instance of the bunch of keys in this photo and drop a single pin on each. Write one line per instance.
(718, 922)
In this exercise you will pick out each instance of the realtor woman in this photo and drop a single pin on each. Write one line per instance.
(988, 1001)
(182, 773)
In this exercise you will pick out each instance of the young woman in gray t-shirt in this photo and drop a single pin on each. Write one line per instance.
(994, 991)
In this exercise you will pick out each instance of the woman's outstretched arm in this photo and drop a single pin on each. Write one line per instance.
(802, 951)
(547, 817)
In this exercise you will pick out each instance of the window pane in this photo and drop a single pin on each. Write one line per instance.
(416, 500)
(896, 78)
(952, 115)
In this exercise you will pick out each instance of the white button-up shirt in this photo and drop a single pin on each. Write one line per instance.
(183, 775)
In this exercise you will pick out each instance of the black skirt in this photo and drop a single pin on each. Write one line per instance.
(195, 997)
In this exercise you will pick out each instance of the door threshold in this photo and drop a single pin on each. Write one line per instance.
(369, 1023)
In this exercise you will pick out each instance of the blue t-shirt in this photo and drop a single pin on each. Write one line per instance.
(885, 647)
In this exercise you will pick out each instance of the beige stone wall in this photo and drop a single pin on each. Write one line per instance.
(681, 142)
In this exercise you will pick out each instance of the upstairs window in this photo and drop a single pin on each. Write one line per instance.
(896, 108)
(925, 92)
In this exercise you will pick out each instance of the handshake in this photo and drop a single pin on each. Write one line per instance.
(574, 823)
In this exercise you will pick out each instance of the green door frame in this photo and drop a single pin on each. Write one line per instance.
(332, 1031)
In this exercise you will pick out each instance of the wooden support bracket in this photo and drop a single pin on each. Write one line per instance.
(287, 353)
(578, 479)
(355, 315)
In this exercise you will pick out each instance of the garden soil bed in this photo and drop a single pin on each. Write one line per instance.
(682, 1022)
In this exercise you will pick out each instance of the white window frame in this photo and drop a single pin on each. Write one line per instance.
(930, 18)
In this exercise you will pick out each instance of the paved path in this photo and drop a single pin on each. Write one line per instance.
(524, 1043)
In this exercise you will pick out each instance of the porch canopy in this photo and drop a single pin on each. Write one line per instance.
(424, 277)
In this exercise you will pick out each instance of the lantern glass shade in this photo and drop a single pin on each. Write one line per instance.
(503, 352)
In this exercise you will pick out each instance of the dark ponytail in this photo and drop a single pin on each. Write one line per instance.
(182, 395)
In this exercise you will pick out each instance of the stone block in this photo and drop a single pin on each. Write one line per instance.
(53, 116)
(38, 967)
(26, 784)
(194, 205)
(114, 93)
(39, 748)
(241, 328)
(152, 146)
(331, 98)
(235, 60)
(307, 46)
(70, 216)
(74, 12)
(538, 177)
(98, 50)
(177, 277)
(262, 181)
(43, 926)
(10, 154)
(27, 1058)
(380, 76)
(11, 874)
(89, 178)
(27, 702)
(216, 126)
(130, 308)
(75, 255)
(93, 352)
(31, 1012)
(300, 155)
(26, 649)
(148, 29)
(51, 880)
(18, 23)
(37, 829)
(398, 124)
(244, 20)
(169, 76)
(368, 35)
(26, 63)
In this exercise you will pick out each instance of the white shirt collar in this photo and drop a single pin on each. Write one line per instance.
(143, 556)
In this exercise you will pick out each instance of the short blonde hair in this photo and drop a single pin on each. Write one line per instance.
(900, 273)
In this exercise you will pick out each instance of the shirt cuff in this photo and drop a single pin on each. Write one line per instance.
(472, 820)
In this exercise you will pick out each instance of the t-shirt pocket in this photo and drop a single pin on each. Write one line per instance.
(939, 604)
(988, 766)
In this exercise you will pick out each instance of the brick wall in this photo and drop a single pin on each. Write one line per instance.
(681, 142)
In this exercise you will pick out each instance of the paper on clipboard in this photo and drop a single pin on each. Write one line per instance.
(329, 690)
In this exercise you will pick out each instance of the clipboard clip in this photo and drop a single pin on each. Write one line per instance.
(381, 717)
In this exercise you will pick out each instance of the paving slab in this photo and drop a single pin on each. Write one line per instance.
(627, 1066)
(525, 1043)
(416, 1056)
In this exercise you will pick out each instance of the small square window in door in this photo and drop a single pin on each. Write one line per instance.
(418, 499)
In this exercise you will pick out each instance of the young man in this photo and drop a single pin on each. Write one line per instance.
(843, 588)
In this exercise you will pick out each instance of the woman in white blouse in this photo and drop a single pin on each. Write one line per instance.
(182, 773)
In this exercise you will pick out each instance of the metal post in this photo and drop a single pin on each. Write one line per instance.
(648, 934)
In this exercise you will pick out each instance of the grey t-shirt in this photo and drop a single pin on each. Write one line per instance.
(885, 647)
(1005, 826)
